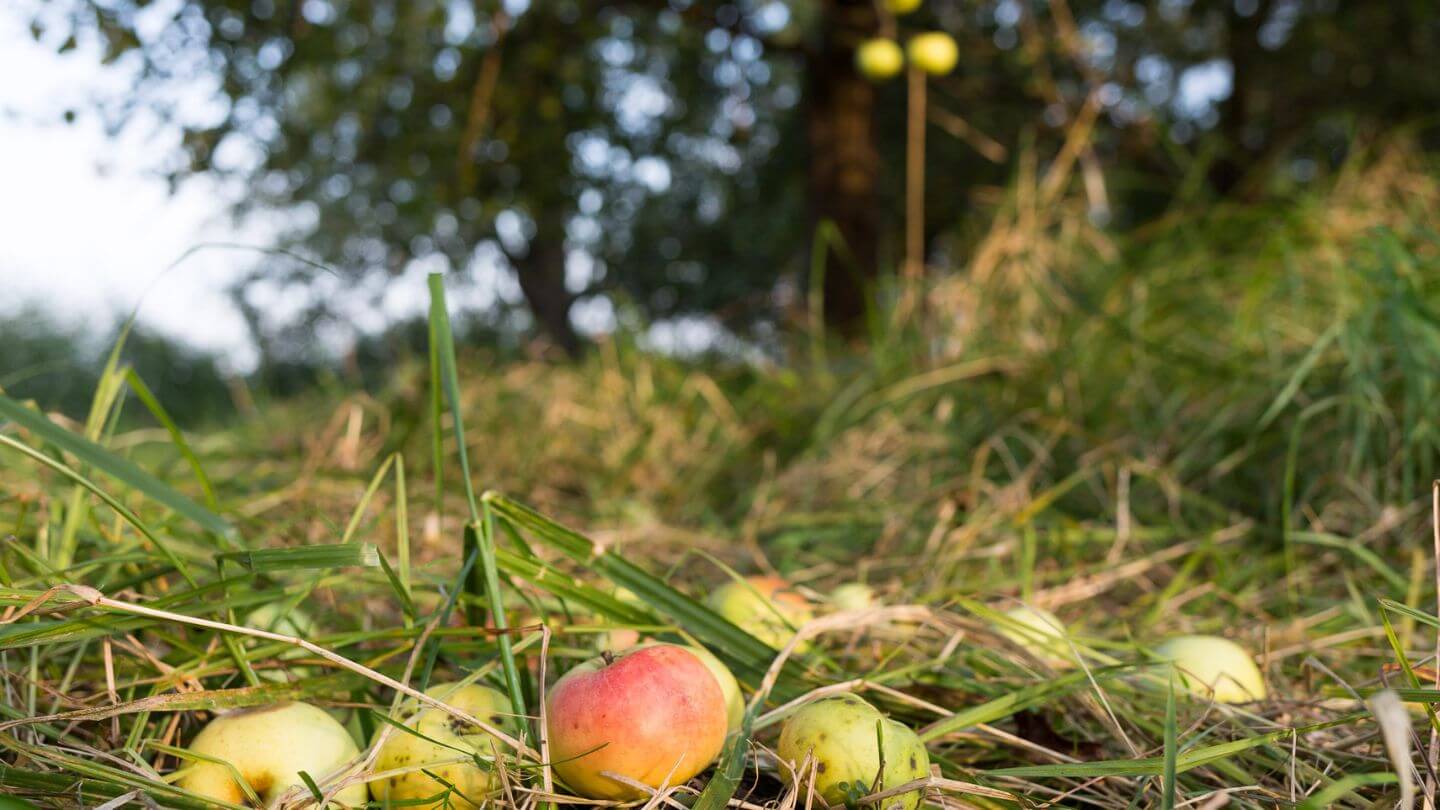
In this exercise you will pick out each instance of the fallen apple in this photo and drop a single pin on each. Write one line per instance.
(653, 714)
(765, 607)
(471, 782)
(1210, 666)
(292, 622)
(269, 746)
(833, 746)
(853, 596)
(879, 59)
(1038, 632)
(729, 687)
(934, 52)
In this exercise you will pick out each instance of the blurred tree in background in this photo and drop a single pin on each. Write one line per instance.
(59, 365)
(643, 160)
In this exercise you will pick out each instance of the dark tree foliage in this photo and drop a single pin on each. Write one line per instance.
(659, 158)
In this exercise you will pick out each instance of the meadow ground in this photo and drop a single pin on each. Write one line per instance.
(1223, 424)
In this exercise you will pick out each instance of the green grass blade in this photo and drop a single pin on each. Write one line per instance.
(121, 469)
(1172, 748)
(120, 508)
(149, 400)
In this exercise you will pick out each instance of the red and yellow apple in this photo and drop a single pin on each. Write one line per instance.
(269, 746)
(768, 608)
(653, 714)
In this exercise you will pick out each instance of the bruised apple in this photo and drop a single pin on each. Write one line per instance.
(269, 746)
(653, 714)
(767, 608)
(448, 738)
(834, 744)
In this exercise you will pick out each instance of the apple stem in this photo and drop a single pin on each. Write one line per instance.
(608, 656)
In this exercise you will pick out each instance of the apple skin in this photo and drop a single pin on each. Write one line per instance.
(1213, 666)
(853, 596)
(653, 714)
(269, 746)
(902, 7)
(734, 699)
(840, 734)
(472, 782)
(934, 52)
(295, 622)
(879, 59)
(1040, 633)
(753, 605)
(729, 687)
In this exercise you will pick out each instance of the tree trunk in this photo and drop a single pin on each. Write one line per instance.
(1229, 174)
(541, 272)
(844, 162)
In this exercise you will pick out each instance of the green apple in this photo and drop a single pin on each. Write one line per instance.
(1210, 666)
(879, 59)
(765, 607)
(472, 782)
(1039, 633)
(842, 737)
(293, 622)
(269, 746)
(934, 52)
(853, 596)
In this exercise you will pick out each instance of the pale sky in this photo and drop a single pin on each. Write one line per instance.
(86, 230)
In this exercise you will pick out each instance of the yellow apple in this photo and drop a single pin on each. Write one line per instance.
(853, 596)
(842, 736)
(1038, 632)
(269, 746)
(879, 59)
(472, 782)
(934, 52)
(653, 714)
(1213, 666)
(902, 7)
